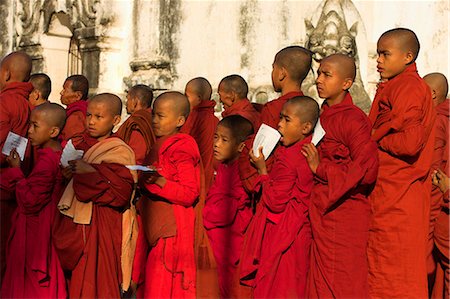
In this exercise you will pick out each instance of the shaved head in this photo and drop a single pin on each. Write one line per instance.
(306, 109)
(200, 87)
(143, 93)
(15, 67)
(177, 100)
(42, 83)
(235, 83)
(55, 115)
(111, 101)
(406, 39)
(239, 126)
(296, 60)
(439, 86)
(345, 65)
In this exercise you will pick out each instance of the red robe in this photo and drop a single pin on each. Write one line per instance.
(226, 215)
(275, 258)
(170, 269)
(402, 115)
(93, 252)
(33, 269)
(441, 226)
(270, 115)
(75, 121)
(245, 109)
(14, 116)
(339, 209)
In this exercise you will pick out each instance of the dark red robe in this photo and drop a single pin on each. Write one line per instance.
(226, 215)
(339, 209)
(75, 122)
(33, 269)
(275, 258)
(403, 116)
(170, 269)
(14, 116)
(245, 109)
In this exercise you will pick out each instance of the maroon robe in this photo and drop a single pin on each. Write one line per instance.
(275, 258)
(245, 109)
(339, 209)
(75, 121)
(33, 269)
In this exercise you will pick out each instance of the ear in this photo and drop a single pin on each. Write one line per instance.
(307, 128)
(234, 97)
(241, 147)
(181, 121)
(433, 94)
(7, 75)
(283, 74)
(79, 95)
(116, 120)
(409, 57)
(55, 132)
(34, 95)
(347, 84)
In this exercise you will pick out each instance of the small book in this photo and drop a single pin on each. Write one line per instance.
(267, 137)
(14, 141)
(318, 134)
(141, 167)
(70, 153)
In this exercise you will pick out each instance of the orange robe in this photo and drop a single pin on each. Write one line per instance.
(75, 122)
(245, 109)
(441, 226)
(170, 269)
(402, 115)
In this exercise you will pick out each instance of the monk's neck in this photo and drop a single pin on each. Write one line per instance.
(104, 137)
(291, 87)
(336, 100)
(53, 144)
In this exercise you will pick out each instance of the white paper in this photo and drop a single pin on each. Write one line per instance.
(140, 167)
(15, 141)
(70, 153)
(318, 134)
(267, 137)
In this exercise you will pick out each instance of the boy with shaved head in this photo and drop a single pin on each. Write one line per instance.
(402, 117)
(42, 87)
(439, 230)
(94, 234)
(233, 92)
(275, 259)
(15, 70)
(33, 269)
(345, 168)
(167, 208)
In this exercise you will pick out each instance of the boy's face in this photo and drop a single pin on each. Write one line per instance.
(166, 119)
(39, 131)
(193, 98)
(290, 126)
(130, 104)
(225, 146)
(226, 98)
(99, 120)
(33, 97)
(392, 60)
(68, 96)
(329, 82)
(276, 73)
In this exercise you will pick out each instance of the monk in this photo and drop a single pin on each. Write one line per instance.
(439, 204)
(227, 210)
(441, 287)
(290, 67)
(42, 87)
(33, 269)
(275, 259)
(201, 124)
(345, 166)
(171, 191)
(15, 71)
(233, 92)
(95, 233)
(74, 95)
(402, 116)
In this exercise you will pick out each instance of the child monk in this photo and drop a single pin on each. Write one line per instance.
(227, 210)
(94, 235)
(42, 87)
(233, 92)
(167, 209)
(345, 166)
(74, 95)
(275, 259)
(33, 269)
(290, 67)
(439, 87)
(402, 117)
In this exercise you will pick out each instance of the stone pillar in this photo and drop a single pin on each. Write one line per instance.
(6, 27)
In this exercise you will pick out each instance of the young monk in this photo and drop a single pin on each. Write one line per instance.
(15, 70)
(33, 269)
(402, 117)
(227, 210)
(74, 95)
(345, 166)
(290, 67)
(42, 87)
(167, 209)
(275, 259)
(439, 204)
(94, 235)
(233, 92)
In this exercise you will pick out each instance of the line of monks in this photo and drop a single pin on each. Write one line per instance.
(362, 213)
